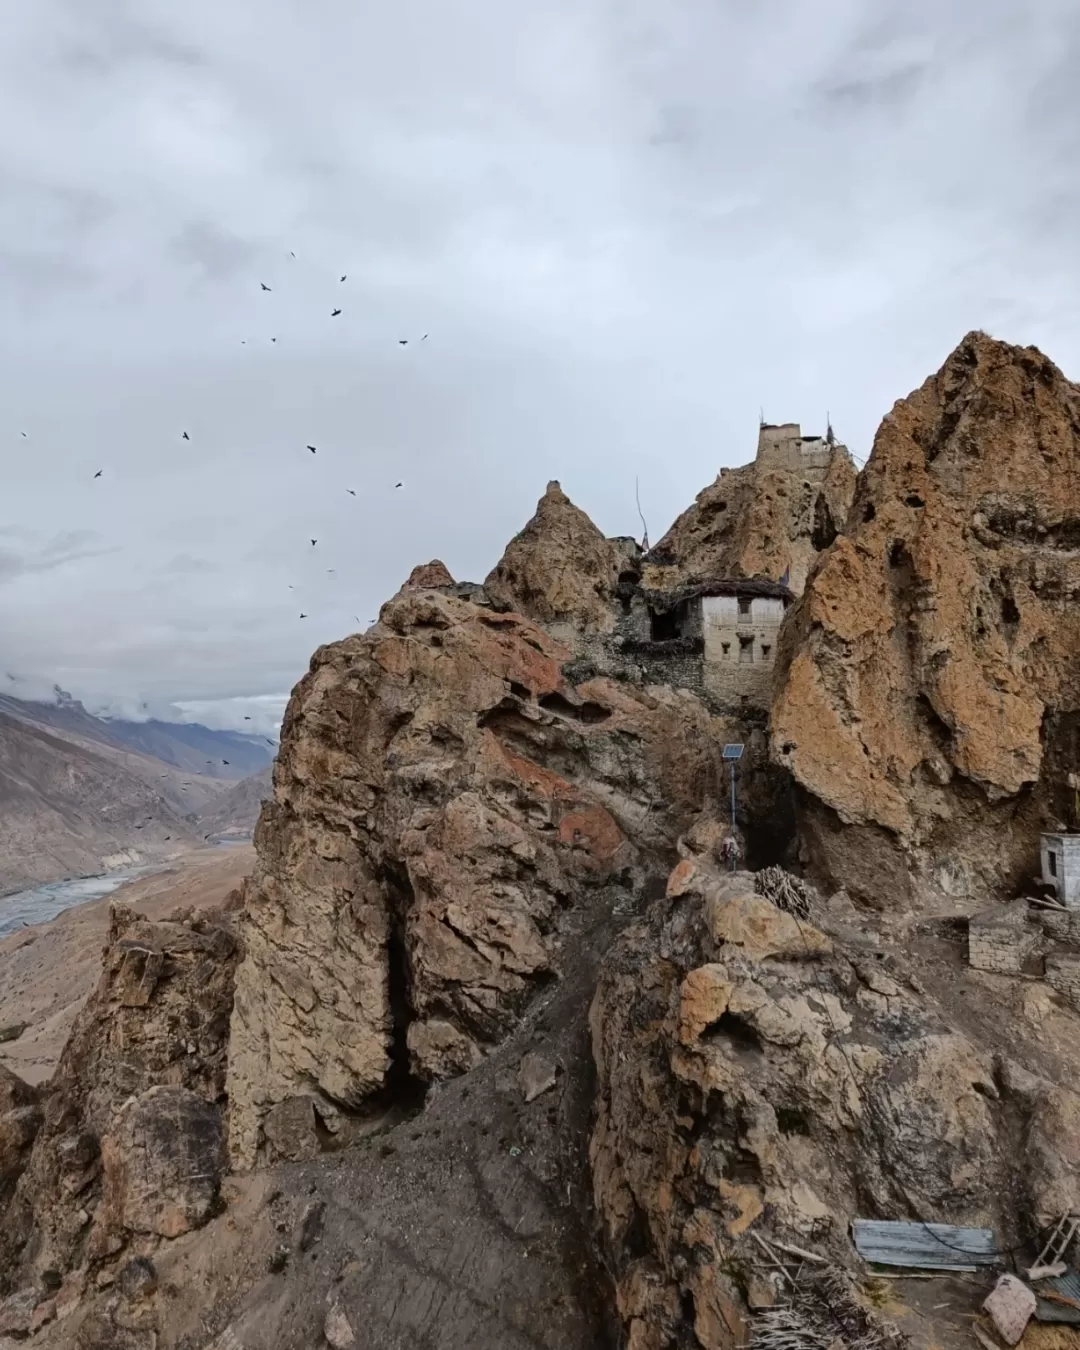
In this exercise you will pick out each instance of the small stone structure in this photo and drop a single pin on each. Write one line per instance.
(1018, 939)
(1061, 866)
(1002, 939)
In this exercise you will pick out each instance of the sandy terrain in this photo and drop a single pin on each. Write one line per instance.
(47, 971)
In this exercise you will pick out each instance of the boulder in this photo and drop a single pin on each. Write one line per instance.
(163, 1160)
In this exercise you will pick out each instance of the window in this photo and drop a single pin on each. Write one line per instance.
(746, 651)
(670, 624)
(1051, 862)
(744, 608)
(725, 647)
(765, 650)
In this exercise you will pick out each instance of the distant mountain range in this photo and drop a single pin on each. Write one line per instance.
(81, 794)
(232, 814)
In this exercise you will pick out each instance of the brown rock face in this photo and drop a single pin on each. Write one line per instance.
(162, 1162)
(749, 1079)
(928, 685)
(157, 1022)
(767, 519)
(20, 1120)
(443, 799)
(560, 570)
(430, 575)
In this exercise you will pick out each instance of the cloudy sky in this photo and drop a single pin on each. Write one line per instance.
(626, 225)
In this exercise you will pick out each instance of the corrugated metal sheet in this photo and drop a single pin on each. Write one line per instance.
(924, 1246)
(1067, 1285)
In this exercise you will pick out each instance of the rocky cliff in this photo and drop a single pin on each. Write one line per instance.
(446, 804)
(560, 570)
(131, 1142)
(767, 519)
(766, 1076)
(928, 684)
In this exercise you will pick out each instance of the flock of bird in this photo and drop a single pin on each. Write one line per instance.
(403, 342)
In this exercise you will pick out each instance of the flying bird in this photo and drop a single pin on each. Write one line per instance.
(314, 542)
(186, 437)
(99, 473)
(331, 569)
(291, 254)
(350, 492)
(224, 761)
(397, 485)
(23, 433)
(403, 342)
(334, 313)
(264, 285)
(311, 448)
(246, 718)
(424, 338)
(303, 616)
(343, 278)
(273, 339)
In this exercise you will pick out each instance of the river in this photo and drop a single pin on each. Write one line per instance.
(42, 903)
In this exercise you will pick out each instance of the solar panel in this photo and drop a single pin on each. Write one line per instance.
(733, 751)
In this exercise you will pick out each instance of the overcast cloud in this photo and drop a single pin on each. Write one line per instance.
(626, 226)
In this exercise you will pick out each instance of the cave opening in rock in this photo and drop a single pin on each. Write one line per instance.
(824, 528)
(404, 1089)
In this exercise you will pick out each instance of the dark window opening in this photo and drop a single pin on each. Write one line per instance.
(869, 512)
(629, 578)
(1051, 863)
(746, 650)
(765, 648)
(670, 624)
(913, 499)
(744, 607)
(725, 647)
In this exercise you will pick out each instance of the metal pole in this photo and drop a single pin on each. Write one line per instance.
(733, 811)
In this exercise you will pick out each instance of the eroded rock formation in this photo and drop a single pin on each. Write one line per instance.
(133, 1102)
(443, 798)
(767, 519)
(758, 1072)
(928, 684)
(559, 570)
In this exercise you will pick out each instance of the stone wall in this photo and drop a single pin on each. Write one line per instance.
(1063, 975)
(1002, 940)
